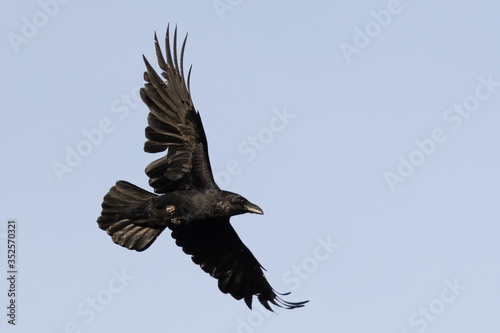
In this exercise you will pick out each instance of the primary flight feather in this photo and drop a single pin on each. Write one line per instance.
(191, 204)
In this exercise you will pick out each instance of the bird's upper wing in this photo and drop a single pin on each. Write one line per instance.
(174, 124)
(215, 246)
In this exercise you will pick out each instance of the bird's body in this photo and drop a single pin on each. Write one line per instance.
(187, 199)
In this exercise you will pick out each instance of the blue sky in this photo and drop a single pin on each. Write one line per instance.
(367, 131)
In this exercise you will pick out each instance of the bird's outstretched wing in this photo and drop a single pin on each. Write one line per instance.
(175, 124)
(215, 246)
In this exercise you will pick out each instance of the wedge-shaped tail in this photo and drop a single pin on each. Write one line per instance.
(126, 216)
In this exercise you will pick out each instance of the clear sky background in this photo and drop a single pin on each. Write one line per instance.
(368, 132)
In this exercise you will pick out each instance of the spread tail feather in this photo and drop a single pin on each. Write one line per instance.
(125, 216)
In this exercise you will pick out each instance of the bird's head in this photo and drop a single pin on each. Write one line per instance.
(235, 204)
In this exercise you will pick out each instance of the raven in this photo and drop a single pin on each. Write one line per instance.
(191, 204)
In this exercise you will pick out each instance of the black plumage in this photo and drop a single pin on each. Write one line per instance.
(191, 204)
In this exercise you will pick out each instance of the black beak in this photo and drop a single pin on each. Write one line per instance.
(251, 208)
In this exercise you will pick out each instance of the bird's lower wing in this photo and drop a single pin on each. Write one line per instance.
(215, 246)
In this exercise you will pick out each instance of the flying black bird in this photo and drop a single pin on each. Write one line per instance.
(191, 204)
